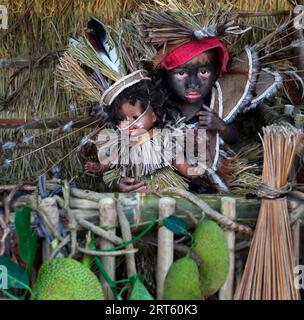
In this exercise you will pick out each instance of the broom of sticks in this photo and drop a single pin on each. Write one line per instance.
(268, 273)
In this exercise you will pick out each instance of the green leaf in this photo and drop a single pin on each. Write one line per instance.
(27, 242)
(139, 291)
(17, 277)
(176, 225)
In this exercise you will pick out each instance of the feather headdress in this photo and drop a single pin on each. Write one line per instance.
(105, 64)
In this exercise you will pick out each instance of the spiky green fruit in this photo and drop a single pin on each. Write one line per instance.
(210, 245)
(182, 281)
(66, 279)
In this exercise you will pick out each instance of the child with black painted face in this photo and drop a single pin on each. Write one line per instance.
(190, 72)
(190, 78)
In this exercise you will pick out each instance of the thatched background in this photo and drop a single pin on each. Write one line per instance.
(38, 30)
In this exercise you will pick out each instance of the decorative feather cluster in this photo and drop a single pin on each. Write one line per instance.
(166, 28)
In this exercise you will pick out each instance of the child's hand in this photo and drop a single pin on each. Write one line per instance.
(94, 167)
(209, 120)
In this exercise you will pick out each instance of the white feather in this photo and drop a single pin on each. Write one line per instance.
(105, 59)
(73, 41)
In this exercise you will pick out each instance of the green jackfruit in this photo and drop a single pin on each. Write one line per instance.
(66, 279)
(210, 245)
(182, 281)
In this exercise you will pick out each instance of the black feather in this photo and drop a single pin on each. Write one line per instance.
(98, 35)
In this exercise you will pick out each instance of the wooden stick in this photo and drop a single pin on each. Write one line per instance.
(7, 202)
(44, 212)
(71, 218)
(127, 252)
(107, 218)
(51, 123)
(61, 245)
(86, 214)
(50, 215)
(5, 232)
(226, 222)
(89, 195)
(76, 203)
(99, 231)
(165, 245)
(228, 210)
(254, 14)
(127, 236)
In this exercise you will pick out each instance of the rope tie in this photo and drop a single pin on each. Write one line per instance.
(267, 192)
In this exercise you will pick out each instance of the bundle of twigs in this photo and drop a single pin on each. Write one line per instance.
(268, 273)
(72, 76)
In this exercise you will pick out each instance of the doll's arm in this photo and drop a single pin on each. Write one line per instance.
(96, 167)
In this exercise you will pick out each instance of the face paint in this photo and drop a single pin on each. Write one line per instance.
(192, 81)
(134, 120)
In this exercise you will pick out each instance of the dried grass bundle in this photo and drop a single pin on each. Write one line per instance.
(161, 179)
(268, 273)
(247, 169)
(73, 77)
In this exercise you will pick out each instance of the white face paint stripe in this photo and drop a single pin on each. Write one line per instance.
(212, 102)
(220, 114)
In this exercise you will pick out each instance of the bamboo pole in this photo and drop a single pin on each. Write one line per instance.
(228, 210)
(142, 207)
(108, 216)
(165, 245)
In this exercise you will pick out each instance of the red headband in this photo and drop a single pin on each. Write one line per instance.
(190, 50)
